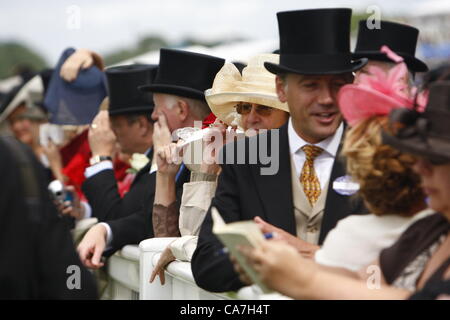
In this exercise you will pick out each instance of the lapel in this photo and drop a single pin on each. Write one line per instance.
(275, 191)
(145, 169)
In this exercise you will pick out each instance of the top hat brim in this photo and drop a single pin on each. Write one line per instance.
(316, 70)
(434, 148)
(175, 90)
(128, 110)
(412, 62)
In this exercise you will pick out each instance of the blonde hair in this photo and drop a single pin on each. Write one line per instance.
(387, 182)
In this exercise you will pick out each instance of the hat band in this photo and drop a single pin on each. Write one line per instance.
(320, 62)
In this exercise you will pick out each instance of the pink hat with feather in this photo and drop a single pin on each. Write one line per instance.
(377, 93)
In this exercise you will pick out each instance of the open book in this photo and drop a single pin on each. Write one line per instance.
(239, 233)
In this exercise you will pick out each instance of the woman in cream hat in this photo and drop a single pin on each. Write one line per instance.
(248, 100)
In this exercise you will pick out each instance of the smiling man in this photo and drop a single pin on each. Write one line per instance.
(300, 202)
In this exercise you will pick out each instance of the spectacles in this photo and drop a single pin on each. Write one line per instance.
(246, 108)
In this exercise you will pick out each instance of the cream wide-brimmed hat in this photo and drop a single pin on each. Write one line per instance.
(255, 85)
(31, 94)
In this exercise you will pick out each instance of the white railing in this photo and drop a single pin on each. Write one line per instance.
(179, 284)
(123, 272)
(129, 272)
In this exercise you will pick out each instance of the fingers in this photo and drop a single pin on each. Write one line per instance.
(98, 251)
(162, 121)
(68, 71)
(243, 277)
(162, 277)
(175, 153)
(170, 154)
(251, 254)
(87, 63)
(102, 119)
(160, 273)
(84, 252)
(264, 226)
(166, 258)
(80, 59)
(161, 153)
(92, 246)
(66, 209)
(153, 275)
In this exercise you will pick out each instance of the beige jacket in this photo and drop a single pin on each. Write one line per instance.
(195, 203)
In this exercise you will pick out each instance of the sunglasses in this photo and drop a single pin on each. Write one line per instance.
(246, 108)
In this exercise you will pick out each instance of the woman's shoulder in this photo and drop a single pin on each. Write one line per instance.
(418, 237)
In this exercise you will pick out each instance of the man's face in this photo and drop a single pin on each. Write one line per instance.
(312, 101)
(254, 116)
(127, 134)
(166, 104)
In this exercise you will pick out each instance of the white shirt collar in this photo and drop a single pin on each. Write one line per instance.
(330, 144)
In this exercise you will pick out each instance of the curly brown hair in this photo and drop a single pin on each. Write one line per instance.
(387, 182)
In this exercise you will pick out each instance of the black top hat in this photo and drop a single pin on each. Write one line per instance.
(315, 42)
(425, 134)
(123, 83)
(400, 38)
(185, 73)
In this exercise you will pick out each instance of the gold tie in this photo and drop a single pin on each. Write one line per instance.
(308, 177)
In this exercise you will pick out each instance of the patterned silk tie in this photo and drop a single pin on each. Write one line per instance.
(308, 177)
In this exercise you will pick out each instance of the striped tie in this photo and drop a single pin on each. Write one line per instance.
(308, 177)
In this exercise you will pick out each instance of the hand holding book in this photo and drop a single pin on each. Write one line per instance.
(240, 233)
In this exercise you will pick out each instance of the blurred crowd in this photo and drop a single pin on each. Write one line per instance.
(354, 193)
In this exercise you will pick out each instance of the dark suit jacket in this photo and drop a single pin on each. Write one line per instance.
(137, 226)
(37, 254)
(103, 195)
(243, 193)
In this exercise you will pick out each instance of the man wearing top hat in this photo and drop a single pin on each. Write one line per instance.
(302, 198)
(178, 93)
(128, 122)
(400, 38)
(128, 113)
